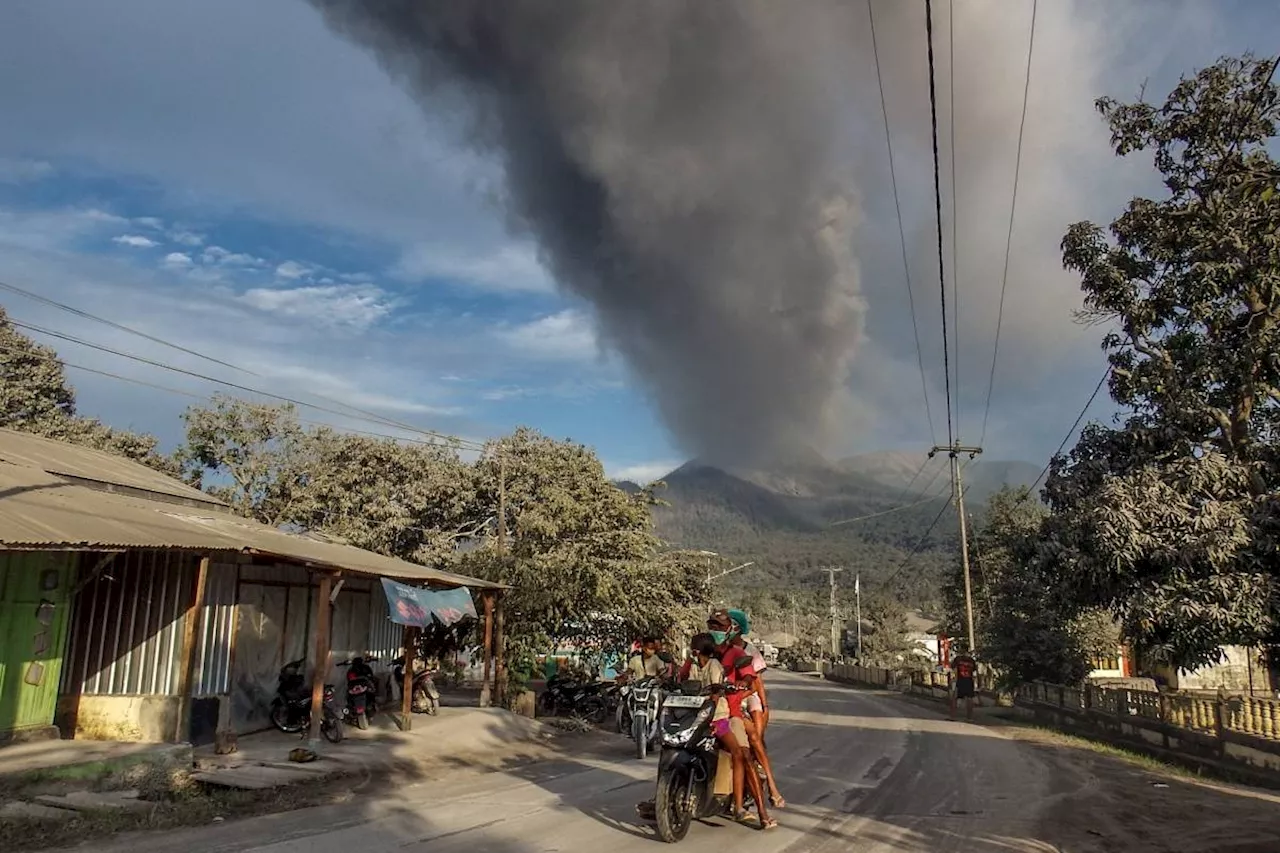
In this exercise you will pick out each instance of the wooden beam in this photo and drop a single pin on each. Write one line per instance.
(324, 618)
(499, 641)
(410, 640)
(190, 633)
(487, 598)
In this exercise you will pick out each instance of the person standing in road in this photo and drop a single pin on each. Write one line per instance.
(965, 669)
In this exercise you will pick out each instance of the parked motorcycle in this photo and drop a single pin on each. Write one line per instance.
(687, 767)
(644, 707)
(291, 708)
(622, 711)
(585, 699)
(425, 697)
(362, 691)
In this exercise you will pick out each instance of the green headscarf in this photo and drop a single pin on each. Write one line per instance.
(739, 618)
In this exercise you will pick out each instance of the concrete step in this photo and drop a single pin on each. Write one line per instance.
(86, 801)
(33, 811)
(254, 777)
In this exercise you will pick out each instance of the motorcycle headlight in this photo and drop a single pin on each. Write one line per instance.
(680, 736)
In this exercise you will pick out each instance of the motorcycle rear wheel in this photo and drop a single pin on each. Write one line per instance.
(280, 719)
(673, 813)
(331, 727)
(362, 720)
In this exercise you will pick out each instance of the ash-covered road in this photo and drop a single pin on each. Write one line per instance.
(861, 770)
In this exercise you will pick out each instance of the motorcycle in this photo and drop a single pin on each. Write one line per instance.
(425, 696)
(644, 707)
(583, 699)
(291, 708)
(622, 711)
(687, 767)
(362, 691)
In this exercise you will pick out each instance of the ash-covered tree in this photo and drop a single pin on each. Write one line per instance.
(1029, 626)
(35, 397)
(1170, 519)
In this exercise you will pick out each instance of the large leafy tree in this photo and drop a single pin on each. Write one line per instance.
(1169, 519)
(35, 397)
(1029, 627)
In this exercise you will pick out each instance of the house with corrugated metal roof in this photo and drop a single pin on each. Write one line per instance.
(134, 607)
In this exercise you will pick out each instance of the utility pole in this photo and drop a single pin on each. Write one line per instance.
(835, 619)
(857, 597)
(957, 493)
(795, 632)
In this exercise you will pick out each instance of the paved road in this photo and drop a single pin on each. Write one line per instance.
(861, 770)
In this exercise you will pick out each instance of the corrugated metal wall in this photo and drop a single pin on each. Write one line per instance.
(385, 637)
(126, 631)
(218, 625)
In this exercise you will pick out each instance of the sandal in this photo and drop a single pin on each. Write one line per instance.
(746, 817)
(777, 801)
(769, 824)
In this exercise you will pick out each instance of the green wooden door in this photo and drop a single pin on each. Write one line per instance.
(34, 590)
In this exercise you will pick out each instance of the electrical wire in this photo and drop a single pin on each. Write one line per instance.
(937, 197)
(88, 316)
(205, 397)
(902, 234)
(369, 416)
(1013, 209)
(1080, 417)
(955, 219)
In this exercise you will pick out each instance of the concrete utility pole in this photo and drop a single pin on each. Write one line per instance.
(957, 493)
(835, 619)
(857, 597)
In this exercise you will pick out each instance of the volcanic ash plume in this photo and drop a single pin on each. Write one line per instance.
(682, 167)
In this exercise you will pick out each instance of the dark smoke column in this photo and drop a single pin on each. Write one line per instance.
(680, 164)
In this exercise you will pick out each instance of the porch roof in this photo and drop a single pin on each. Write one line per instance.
(40, 510)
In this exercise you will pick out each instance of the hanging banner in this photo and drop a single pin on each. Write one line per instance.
(412, 605)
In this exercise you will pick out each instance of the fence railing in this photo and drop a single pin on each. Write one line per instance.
(1243, 728)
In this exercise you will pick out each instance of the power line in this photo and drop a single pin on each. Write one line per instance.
(85, 314)
(205, 397)
(937, 199)
(920, 542)
(368, 415)
(902, 234)
(955, 219)
(1013, 209)
(1080, 417)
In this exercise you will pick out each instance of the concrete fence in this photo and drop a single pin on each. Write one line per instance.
(1242, 731)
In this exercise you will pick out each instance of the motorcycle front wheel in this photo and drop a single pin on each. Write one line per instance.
(593, 711)
(640, 734)
(673, 805)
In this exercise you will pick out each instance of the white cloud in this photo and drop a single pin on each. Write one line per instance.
(510, 269)
(150, 222)
(54, 230)
(18, 170)
(226, 257)
(292, 270)
(643, 473)
(135, 241)
(337, 387)
(358, 306)
(177, 261)
(187, 238)
(567, 335)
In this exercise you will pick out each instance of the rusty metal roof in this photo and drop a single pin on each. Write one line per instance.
(41, 510)
(96, 466)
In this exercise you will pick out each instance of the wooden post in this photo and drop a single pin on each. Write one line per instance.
(190, 633)
(487, 598)
(410, 640)
(499, 641)
(324, 617)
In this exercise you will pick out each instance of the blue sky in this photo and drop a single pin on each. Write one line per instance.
(234, 178)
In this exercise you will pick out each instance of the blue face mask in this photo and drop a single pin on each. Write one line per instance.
(719, 637)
